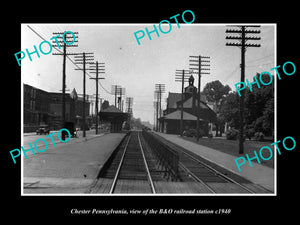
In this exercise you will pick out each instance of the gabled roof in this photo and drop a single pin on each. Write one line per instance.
(176, 115)
(113, 114)
(189, 103)
(172, 99)
(112, 109)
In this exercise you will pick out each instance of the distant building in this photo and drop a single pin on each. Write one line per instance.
(36, 108)
(170, 121)
(114, 116)
(41, 107)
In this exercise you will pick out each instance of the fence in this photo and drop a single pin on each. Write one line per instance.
(165, 154)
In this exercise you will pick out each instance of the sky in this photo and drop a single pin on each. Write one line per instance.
(138, 68)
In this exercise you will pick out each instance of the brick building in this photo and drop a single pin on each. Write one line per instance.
(36, 108)
(41, 107)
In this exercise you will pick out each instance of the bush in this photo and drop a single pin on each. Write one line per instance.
(232, 134)
(193, 133)
(259, 136)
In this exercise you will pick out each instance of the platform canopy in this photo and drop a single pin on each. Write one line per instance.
(115, 116)
(113, 113)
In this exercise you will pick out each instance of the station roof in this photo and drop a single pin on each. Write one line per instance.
(174, 99)
(111, 109)
(176, 115)
(112, 113)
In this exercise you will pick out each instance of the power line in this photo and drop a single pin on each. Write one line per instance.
(68, 59)
(270, 63)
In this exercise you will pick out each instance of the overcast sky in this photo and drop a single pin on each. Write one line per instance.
(138, 68)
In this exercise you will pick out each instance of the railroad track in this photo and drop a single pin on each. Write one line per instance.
(207, 175)
(136, 166)
(129, 169)
(215, 180)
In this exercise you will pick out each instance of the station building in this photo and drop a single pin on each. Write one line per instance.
(170, 121)
(115, 117)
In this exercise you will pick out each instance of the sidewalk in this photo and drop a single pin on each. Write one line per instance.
(257, 174)
(69, 167)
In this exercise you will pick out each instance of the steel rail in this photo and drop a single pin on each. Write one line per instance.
(147, 168)
(218, 173)
(196, 178)
(119, 168)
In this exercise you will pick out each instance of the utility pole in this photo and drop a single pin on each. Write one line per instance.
(114, 89)
(120, 91)
(242, 43)
(97, 68)
(129, 103)
(159, 89)
(157, 123)
(198, 62)
(64, 54)
(83, 58)
(155, 106)
(181, 76)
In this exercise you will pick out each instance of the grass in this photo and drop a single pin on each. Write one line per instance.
(232, 147)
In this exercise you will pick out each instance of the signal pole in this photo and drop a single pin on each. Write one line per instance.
(200, 67)
(121, 91)
(159, 89)
(64, 54)
(180, 76)
(115, 89)
(97, 69)
(81, 58)
(242, 43)
(129, 103)
(155, 106)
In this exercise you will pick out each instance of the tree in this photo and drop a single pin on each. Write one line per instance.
(216, 93)
(105, 105)
(230, 109)
(259, 107)
(268, 118)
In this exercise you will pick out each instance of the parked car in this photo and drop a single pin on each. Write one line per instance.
(43, 129)
(71, 128)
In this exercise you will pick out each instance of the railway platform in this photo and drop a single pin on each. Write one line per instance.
(69, 167)
(258, 174)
